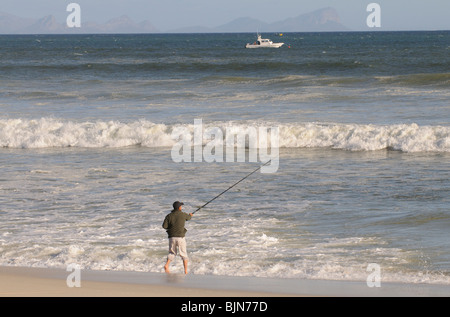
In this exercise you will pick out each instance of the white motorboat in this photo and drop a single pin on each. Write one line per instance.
(260, 42)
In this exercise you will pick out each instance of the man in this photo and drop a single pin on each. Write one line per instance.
(174, 225)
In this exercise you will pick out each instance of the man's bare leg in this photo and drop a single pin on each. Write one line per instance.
(166, 267)
(185, 263)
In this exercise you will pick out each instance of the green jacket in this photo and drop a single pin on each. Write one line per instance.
(174, 223)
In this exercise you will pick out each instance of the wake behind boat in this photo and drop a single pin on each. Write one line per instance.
(260, 42)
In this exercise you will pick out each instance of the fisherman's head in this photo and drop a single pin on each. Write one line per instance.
(177, 205)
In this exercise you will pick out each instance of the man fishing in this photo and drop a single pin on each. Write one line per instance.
(174, 225)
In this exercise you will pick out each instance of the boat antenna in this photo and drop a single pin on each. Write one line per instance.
(233, 185)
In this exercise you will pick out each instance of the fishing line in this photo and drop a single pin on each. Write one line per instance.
(233, 186)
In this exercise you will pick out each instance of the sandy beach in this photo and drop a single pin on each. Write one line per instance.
(45, 282)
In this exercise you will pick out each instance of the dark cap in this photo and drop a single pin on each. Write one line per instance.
(176, 205)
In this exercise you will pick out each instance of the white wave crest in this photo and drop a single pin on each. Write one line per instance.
(360, 137)
(51, 132)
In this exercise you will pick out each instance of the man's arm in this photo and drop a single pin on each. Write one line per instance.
(165, 224)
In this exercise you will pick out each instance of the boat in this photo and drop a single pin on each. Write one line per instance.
(260, 42)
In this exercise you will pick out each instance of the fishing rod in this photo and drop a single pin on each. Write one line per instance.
(233, 186)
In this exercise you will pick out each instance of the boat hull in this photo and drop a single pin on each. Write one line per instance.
(273, 45)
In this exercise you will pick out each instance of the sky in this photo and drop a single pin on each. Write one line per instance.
(173, 14)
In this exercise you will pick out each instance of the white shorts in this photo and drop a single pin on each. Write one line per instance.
(180, 243)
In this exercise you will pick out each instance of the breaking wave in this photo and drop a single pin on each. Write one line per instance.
(52, 132)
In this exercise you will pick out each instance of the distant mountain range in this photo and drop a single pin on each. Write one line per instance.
(323, 20)
(10, 24)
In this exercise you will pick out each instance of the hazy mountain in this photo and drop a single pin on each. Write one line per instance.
(242, 25)
(326, 19)
(125, 24)
(47, 24)
(238, 25)
(10, 24)
(322, 20)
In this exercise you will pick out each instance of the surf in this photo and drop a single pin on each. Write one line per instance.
(52, 132)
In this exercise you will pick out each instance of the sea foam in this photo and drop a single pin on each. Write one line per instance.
(52, 132)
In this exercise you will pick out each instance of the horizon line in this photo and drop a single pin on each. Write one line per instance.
(215, 32)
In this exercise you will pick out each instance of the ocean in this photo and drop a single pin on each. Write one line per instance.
(87, 174)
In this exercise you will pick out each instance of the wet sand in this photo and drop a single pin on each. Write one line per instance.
(46, 282)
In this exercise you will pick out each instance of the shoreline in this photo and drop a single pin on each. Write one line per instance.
(52, 282)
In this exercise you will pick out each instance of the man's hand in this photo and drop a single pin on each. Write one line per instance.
(191, 214)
